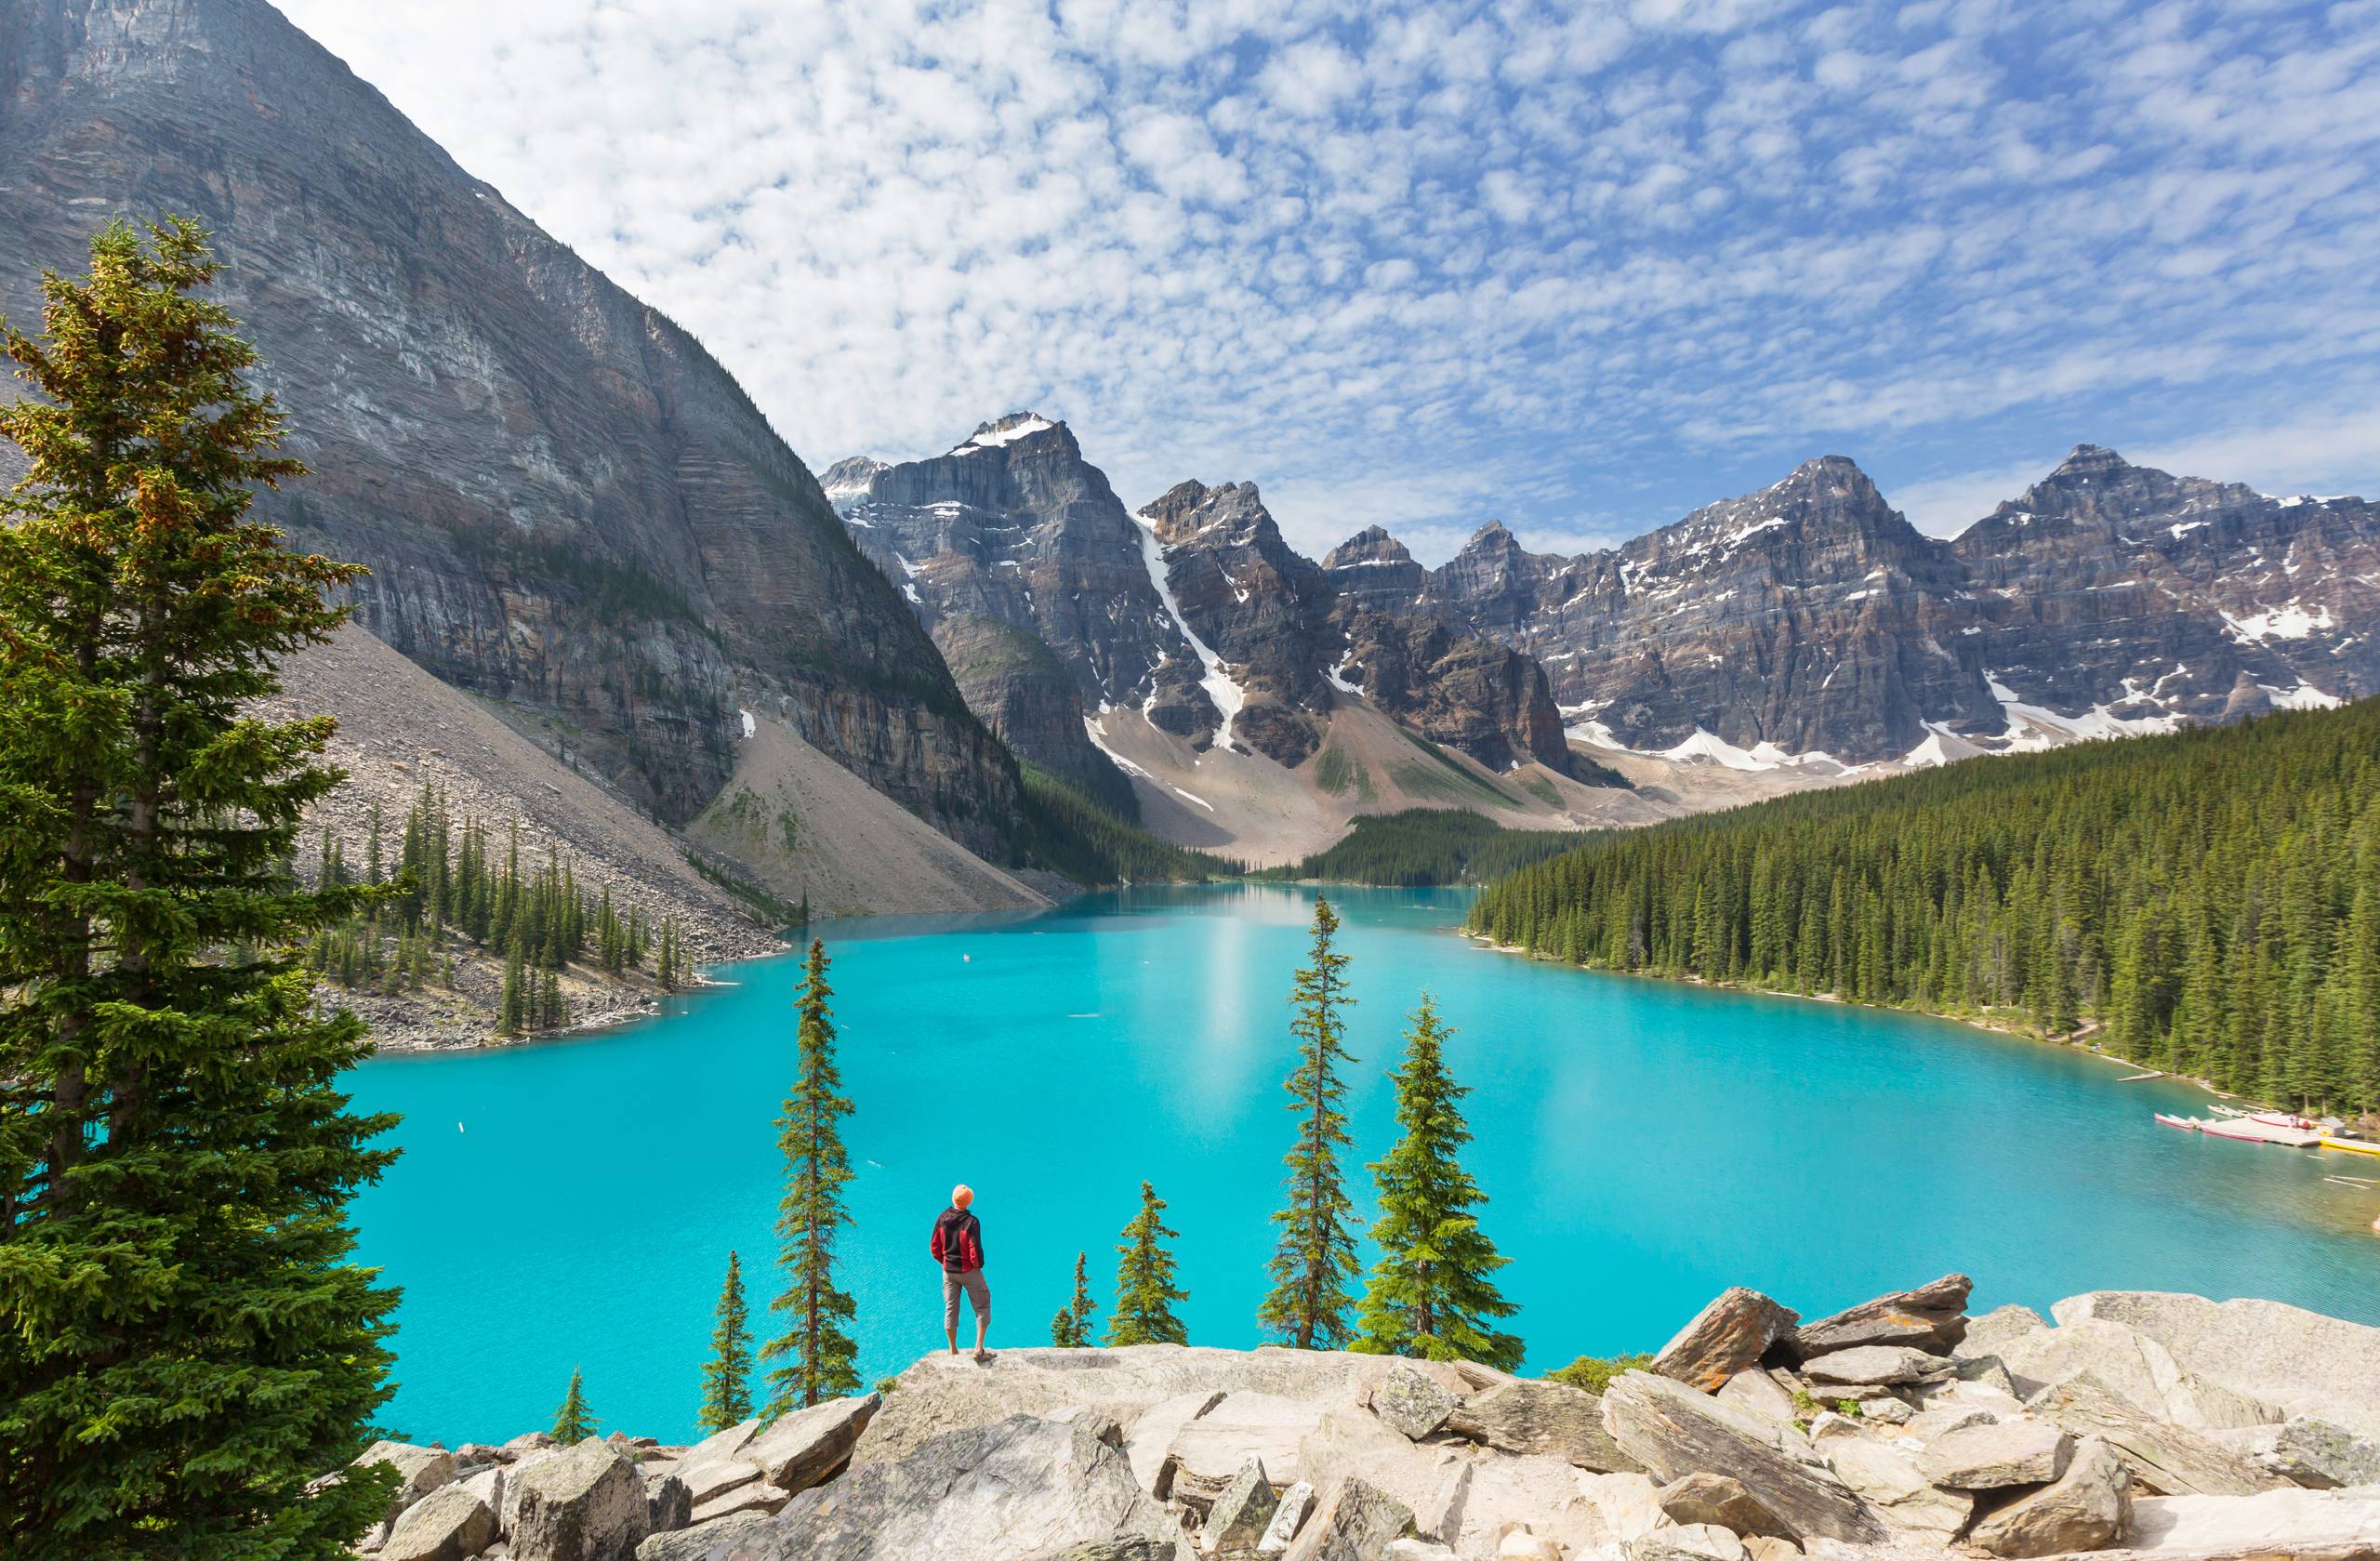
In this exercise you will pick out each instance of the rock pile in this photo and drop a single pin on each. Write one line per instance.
(2143, 1427)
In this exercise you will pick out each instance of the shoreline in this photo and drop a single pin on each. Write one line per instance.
(2071, 1043)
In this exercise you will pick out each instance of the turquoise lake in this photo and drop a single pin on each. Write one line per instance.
(1643, 1144)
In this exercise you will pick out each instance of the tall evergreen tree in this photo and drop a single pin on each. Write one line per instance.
(184, 1339)
(573, 1422)
(818, 1352)
(1145, 1288)
(1070, 1330)
(727, 1376)
(1316, 1255)
(1431, 1295)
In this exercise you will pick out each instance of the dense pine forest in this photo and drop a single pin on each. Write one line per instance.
(1423, 846)
(2210, 899)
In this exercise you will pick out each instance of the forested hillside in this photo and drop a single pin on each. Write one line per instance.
(2213, 897)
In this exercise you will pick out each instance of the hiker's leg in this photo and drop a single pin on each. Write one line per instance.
(980, 1293)
(950, 1292)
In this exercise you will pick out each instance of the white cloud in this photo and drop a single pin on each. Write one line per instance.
(1429, 260)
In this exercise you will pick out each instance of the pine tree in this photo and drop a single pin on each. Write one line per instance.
(188, 1340)
(573, 1422)
(727, 1376)
(1070, 1330)
(1145, 1288)
(1430, 1293)
(817, 1349)
(1316, 1251)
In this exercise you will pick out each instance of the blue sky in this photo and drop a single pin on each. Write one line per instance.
(1579, 268)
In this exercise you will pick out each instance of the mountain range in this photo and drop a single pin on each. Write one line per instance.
(576, 517)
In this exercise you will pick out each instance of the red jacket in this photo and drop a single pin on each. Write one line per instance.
(958, 1242)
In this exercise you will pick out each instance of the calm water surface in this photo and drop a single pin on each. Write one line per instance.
(1643, 1144)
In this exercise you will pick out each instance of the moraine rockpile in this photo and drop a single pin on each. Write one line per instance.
(2136, 1424)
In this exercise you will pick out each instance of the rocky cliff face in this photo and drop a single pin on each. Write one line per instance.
(566, 504)
(1811, 617)
(2115, 586)
(1192, 609)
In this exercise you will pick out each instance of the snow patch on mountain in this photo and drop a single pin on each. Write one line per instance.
(1228, 697)
(2290, 622)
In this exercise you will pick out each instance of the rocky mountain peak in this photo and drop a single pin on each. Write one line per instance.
(851, 477)
(2085, 461)
(1373, 545)
(1014, 428)
(1234, 512)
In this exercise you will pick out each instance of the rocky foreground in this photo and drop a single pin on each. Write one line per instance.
(2138, 1424)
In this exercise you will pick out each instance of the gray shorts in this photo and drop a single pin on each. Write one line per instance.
(972, 1284)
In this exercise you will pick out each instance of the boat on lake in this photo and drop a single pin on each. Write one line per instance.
(2352, 1145)
(2188, 1124)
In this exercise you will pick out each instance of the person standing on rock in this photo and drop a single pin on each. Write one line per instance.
(958, 1246)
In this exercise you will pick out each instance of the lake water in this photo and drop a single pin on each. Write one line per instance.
(1643, 1144)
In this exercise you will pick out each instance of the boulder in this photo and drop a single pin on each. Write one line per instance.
(2311, 1524)
(1696, 1541)
(1139, 1548)
(2299, 1361)
(2086, 1508)
(419, 1472)
(582, 1503)
(709, 1479)
(1438, 1516)
(729, 1443)
(1349, 1439)
(668, 1505)
(758, 1496)
(1522, 1545)
(1725, 1337)
(1873, 1365)
(1933, 1424)
(1411, 1404)
(1351, 1522)
(1545, 1495)
(1627, 1504)
(450, 1524)
(1886, 1411)
(2167, 1460)
(1542, 1417)
(1014, 1487)
(1693, 1499)
(1207, 1451)
(1240, 1516)
(1417, 1549)
(1931, 1318)
(1296, 1506)
(800, 1450)
(1985, 1335)
(1674, 1431)
(1885, 1477)
(696, 1544)
(1150, 1440)
(530, 1441)
(1997, 1453)
(1759, 1391)
(2308, 1453)
(2136, 1366)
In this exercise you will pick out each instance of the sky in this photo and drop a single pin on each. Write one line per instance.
(1577, 267)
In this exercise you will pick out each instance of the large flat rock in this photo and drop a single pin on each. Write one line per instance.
(2167, 1460)
(1674, 1431)
(2303, 1362)
(1018, 1487)
(1552, 1419)
(2135, 1366)
(2305, 1522)
(1206, 1452)
(940, 1392)
(1931, 1318)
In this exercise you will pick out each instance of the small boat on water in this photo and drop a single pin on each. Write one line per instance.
(2188, 1124)
(2352, 1145)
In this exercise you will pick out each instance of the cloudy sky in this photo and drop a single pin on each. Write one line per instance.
(1577, 267)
